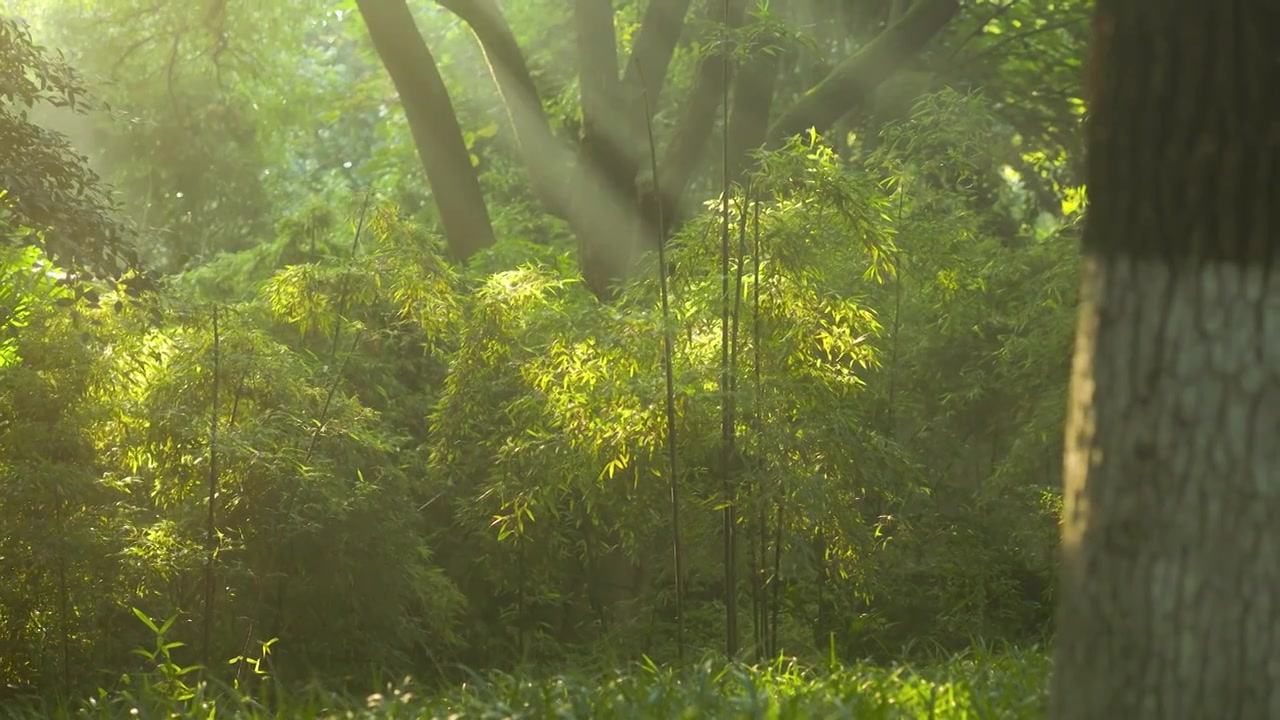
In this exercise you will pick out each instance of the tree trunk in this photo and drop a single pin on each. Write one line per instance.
(464, 216)
(654, 46)
(604, 219)
(749, 114)
(548, 160)
(689, 142)
(1170, 605)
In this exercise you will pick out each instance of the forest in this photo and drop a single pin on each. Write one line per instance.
(632, 358)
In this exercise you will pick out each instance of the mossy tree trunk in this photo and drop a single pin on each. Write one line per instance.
(1170, 605)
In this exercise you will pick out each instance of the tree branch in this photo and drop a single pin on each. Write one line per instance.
(655, 44)
(689, 142)
(853, 81)
(597, 65)
(607, 144)
(547, 158)
(604, 217)
(464, 217)
(749, 115)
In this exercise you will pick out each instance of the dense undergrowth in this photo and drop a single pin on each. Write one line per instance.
(468, 466)
(977, 685)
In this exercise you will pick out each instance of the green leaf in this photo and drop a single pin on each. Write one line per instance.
(146, 621)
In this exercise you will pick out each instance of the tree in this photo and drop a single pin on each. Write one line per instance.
(48, 196)
(388, 428)
(1172, 485)
(292, 89)
(464, 218)
(597, 188)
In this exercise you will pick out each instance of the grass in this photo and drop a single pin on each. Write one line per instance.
(974, 686)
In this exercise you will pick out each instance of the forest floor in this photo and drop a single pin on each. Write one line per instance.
(973, 686)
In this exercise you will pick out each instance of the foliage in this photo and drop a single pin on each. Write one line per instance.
(381, 461)
(977, 685)
(474, 460)
(47, 194)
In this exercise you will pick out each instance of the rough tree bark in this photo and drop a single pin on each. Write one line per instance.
(464, 215)
(1170, 602)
